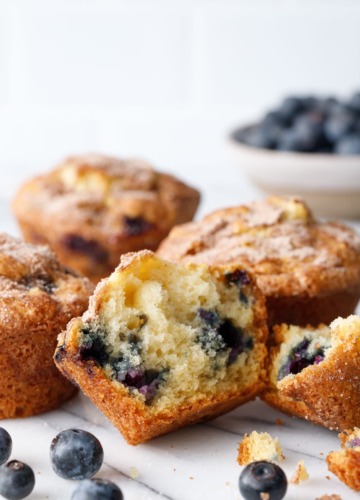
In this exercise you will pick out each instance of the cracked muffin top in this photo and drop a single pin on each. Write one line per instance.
(108, 194)
(35, 289)
(279, 240)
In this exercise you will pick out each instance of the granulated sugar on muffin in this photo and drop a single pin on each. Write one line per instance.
(308, 270)
(92, 208)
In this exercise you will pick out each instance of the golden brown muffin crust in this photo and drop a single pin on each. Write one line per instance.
(93, 208)
(37, 299)
(303, 266)
(345, 464)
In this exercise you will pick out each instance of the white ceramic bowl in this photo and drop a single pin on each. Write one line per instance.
(329, 183)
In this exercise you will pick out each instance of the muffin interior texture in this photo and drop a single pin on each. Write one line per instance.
(170, 333)
(302, 347)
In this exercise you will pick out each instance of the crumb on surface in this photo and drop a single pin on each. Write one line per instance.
(279, 421)
(300, 474)
(328, 478)
(134, 473)
(259, 446)
(264, 496)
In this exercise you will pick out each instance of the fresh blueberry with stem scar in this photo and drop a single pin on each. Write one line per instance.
(76, 454)
(5, 445)
(97, 489)
(17, 480)
(260, 480)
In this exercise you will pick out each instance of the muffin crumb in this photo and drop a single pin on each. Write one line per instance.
(259, 446)
(300, 474)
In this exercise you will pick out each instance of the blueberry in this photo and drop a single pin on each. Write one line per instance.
(259, 478)
(299, 358)
(76, 454)
(338, 125)
(5, 445)
(354, 102)
(17, 480)
(349, 145)
(134, 226)
(353, 443)
(97, 489)
(264, 136)
(90, 248)
(290, 108)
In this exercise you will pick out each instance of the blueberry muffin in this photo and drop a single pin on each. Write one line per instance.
(91, 209)
(345, 463)
(164, 344)
(314, 373)
(37, 299)
(309, 271)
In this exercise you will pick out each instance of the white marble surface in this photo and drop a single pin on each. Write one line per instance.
(195, 463)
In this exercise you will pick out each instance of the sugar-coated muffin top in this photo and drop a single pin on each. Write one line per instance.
(35, 288)
(114, 196)
(279, 240)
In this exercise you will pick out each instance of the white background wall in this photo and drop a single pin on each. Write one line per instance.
(161, 79)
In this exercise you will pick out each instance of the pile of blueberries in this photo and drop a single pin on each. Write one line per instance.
(308, 125)
(74, 453)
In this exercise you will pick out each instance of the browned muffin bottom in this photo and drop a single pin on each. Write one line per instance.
(164, 345)
(37, 299)
(308, 270)
(91, 209)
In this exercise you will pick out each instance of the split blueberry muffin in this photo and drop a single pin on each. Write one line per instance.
(164, 344)
(92, 208)
(314, 373)
(345, 463)
(37, 299)
(309, 271)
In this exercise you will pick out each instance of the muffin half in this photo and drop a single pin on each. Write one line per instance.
(91, 209)
(314, 373)
(164, 345)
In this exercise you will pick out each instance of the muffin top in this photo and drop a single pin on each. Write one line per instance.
(111, 195)
(279, 240)
(35, 290)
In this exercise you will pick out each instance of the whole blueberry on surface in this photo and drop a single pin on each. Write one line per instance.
(97, 489)
(76, 454)
(17, 480)
(5, 445)
(262, 477)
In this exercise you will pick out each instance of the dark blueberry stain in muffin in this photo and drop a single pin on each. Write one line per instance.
(90, 248)
(45, 283)
(93, 347)
(239, 277)
(60, 353)
(135, 226)
(300, 358)
(125, 367)
(145, 381)
(219, 334)
(353, 443)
